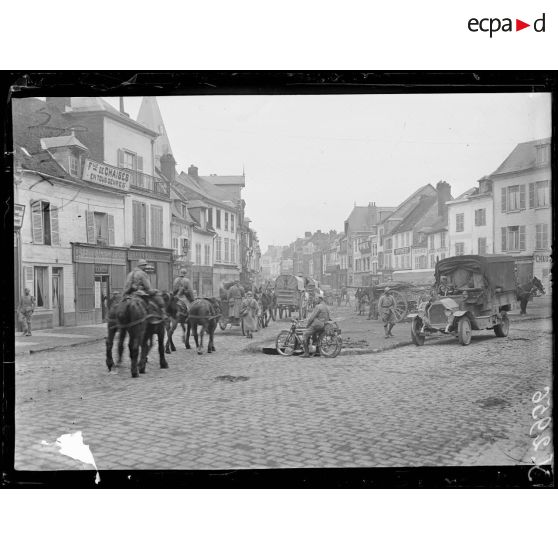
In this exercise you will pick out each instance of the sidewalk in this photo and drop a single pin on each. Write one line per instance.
(49, 339)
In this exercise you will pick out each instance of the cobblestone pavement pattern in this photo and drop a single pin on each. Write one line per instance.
(441, 404)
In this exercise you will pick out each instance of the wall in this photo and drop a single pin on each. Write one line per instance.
(119, 136)
(129, 228)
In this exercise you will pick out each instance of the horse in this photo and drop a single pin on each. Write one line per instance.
(177, 312)
(362, 299)
(266, 301)
(525, 292)
(204, 312)
(112, 330)
(135, 317)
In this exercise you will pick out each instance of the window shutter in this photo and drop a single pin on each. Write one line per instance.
(37, 222)
(522, 238)
(143, 224)
(139, 165)
(110, 220)
(504, 234)
(120, 157)
(90, 225)
(545, 236)
(504, 200)
(531, 195)
(522, 196)
(54, 234)
(135, 221)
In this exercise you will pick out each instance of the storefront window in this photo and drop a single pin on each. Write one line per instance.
(41, 287)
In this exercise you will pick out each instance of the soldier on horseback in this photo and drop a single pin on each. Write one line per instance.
(138, 283)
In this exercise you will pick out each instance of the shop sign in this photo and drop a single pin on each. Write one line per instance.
(101, 269)
(418, 251)
(149, 255)
(542, 258)
(92, 254)
(19, 212)
(106, 175)
(399, 251)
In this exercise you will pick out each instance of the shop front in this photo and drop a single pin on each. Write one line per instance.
(202, 280)
(99, 272)
(542, 266)
(160, 263)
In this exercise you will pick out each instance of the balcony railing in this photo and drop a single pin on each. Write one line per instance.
(147, 183)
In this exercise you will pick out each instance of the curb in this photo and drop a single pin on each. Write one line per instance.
(75, 344)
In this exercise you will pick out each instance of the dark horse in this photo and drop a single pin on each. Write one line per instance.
(140, 320)
(112, 329)
(177, 312)
(204, 312)
(526, 292)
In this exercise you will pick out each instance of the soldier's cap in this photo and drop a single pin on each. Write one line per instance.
(142, 262)
(183, 270)
(386, 290)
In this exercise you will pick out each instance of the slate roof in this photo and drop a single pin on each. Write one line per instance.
(198, 188)
(61, 141)
(406, 206)
(417, 214)
(220, 180)
(523, 157)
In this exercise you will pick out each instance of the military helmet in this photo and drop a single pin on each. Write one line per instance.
(386, 290)
(142, 262)
(183, 271)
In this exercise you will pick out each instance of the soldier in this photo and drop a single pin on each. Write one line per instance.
(137, 280)
(249, 313)
(234, 297)
(316, 324)
(181, 286)
(387, 311)
(26, 308)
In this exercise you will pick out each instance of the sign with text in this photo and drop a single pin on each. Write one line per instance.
(106, 175)
(92, 254)
(19, 212)
(399, 251)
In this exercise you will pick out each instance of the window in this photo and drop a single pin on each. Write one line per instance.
(101, 226)
(539, 194)
(41, 287)
(226, 250)
(198, 253)
(232, 222)
(175, 245)
(513, 238)
(459, 248)
(480, 218)
(74, 165)
(207, 255)
(156, 225)
(513, 198)
(542, 237)
(432, 260)
(218, 218)
(218, 249)
(139, 223)
(482, 246)
(407, 236)
(431, 242)
(388, 243)
(542, 153)
(459, 222)
(129, 160)
(232, 252)
(443, 239)
(226, 221)
(44, 223)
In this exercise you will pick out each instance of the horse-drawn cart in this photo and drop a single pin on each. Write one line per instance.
(290, 296)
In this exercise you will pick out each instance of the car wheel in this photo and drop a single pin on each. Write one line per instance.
(416, 335)
(464, 330)
(503, 328)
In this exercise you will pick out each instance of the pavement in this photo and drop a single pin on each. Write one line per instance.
(360, 335)
(440, 404)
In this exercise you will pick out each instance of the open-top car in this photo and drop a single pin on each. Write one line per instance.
(470, 293)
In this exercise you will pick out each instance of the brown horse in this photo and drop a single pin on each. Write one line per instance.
(177, 312)
(141, 320)
(204, 312)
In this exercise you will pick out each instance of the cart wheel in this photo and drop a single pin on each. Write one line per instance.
(400, 305)
(330, 344)
(416, 335)
(503, 328)
(285, 343)
(464, 330)
(222, 325)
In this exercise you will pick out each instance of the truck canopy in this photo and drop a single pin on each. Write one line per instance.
(498, 271)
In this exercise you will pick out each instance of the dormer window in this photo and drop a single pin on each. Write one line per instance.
(74, 165)
(543, 153)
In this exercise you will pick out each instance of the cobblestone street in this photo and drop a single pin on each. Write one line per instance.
(441, 404)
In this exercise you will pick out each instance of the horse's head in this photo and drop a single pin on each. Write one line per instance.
(537, 285)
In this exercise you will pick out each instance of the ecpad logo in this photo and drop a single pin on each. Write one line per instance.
(494, 24)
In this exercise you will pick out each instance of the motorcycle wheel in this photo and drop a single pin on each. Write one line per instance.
(285, 343)
(330, 345)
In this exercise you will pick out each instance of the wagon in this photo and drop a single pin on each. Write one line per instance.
(290, 296)
(471, 293)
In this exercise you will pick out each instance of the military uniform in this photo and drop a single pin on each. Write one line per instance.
(26, 308)
(234, 297)
(137, 280)
(387, 312)
(315, 324)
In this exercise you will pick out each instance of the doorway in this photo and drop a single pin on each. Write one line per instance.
(102, 293)
(57, 297)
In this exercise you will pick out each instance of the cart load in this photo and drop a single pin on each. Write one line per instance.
(289, 293)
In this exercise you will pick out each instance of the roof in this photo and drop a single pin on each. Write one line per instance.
(61, 141)
(196, 203)
(149, 115)
(407, 206)
(226, 180)
(198, 188)
(96, 104)
(441, 224)
(523, 157)
(416, 215)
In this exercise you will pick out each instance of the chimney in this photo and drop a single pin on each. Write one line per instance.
(168, 167)
(307, 234)
(59, 103)
(443, 190)
(193, 171)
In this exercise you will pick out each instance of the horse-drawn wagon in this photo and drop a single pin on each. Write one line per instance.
(290, 295)
(470, 293)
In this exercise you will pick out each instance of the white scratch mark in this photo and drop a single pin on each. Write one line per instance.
(72, 445)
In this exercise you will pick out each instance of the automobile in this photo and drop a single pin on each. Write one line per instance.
(471, 293)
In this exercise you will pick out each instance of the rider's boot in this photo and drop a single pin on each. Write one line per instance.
(306, 350)
(386, 332)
